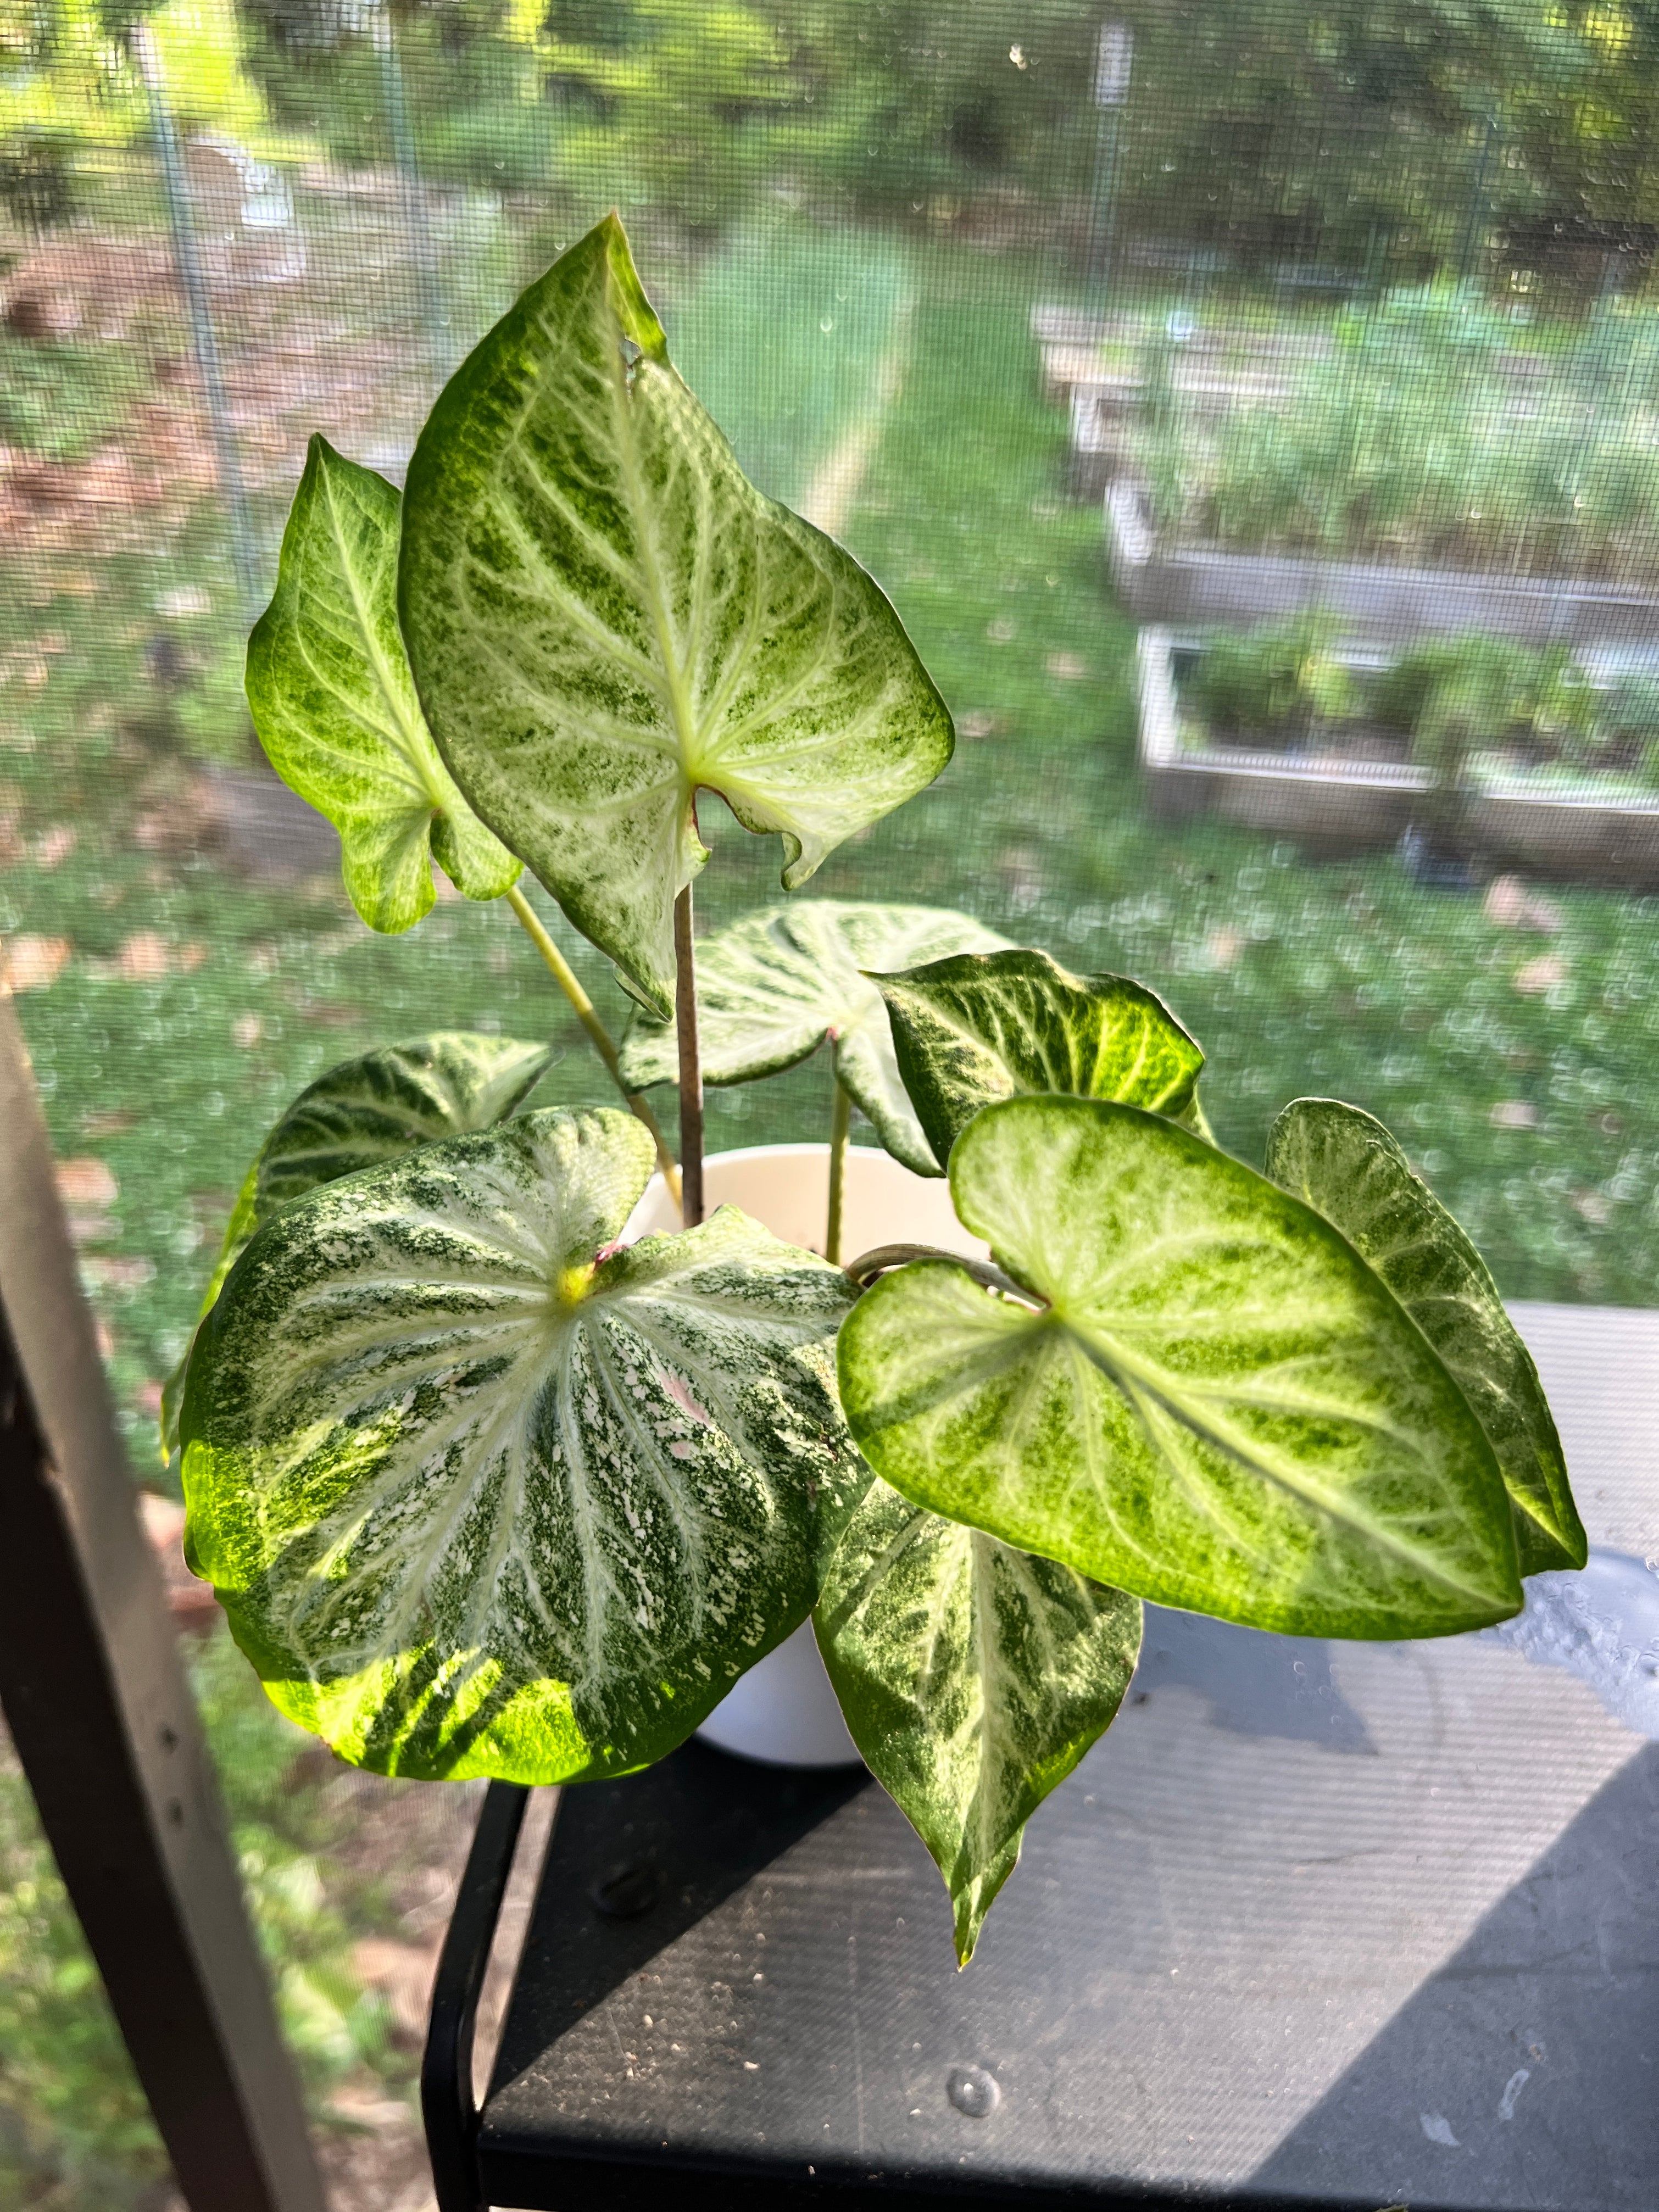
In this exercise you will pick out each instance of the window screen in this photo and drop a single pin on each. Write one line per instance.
(1250, 409)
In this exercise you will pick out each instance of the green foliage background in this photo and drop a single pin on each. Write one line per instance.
(1351, 129)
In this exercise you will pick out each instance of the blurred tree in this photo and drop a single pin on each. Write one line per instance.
(70, 93)
(679, 104)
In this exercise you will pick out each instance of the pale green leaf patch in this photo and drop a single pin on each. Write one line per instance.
(334, 704)
(1343, 1163)
(973, 1678)
(1006, 1024)
(604, 616)
(773, 986)
(481, 1495)
(1210, 1399)
(360, 1115)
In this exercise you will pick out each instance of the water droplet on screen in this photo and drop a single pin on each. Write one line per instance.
(973, 2091)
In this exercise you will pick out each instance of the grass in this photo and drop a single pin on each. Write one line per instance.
(74, 2129)
(59, 401)
(194, 1000)
(1515, 1070)
(822, 307)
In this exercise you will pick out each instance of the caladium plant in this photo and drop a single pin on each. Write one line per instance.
(486, 1489)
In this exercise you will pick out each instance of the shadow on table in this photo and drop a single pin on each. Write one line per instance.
(607, 1904)
(1256, 1684)
(1566, 2045)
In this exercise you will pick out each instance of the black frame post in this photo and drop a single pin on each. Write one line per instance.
(98, 1708)
(447, 2103)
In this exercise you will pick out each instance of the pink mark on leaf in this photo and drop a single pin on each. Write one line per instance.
(678, 1391)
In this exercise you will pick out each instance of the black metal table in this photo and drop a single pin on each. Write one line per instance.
(1337, 1925)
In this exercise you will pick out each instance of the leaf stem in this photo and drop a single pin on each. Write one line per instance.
(885, 1257)
(565, 976)
(841, 1125)
(685, 1030)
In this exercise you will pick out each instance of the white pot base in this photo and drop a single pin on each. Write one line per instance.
(783, 1712)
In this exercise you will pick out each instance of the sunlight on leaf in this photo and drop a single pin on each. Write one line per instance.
(1009, 1024)
(1211, 1401)
(1346, 1166)
(482, 1498)
(334, 704)
(604, 616)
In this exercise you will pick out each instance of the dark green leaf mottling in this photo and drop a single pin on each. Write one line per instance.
(603, 616)
(334, 704)
(479, 1500)
(774, 985)
(973, 1678)
(990, 1025)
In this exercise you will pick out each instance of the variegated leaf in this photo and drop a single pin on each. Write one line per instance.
(238, 1229)
(991, 1025)
(375, 1109)
(482, 1495)
(973, 1677)
(1210, 1399)
(772, 987)
(1345, 1165)
(604, 616)
(358, 1114)
(334, 704)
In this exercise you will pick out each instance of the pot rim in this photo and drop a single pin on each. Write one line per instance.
(785, 1151)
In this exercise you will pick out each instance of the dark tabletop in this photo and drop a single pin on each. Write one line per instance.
(1315, 1923)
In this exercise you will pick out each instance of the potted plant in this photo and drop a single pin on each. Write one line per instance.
(489, 1483)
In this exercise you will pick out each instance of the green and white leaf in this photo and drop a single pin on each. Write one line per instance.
(334, 704)
(1212, 1401)
(375, 1109)
(604, 616)
(1345, 1165)
(1008, 1024)
(360, 1115)
(481, 1497)
(973, 1678)
(238, 1230)
(772, 987)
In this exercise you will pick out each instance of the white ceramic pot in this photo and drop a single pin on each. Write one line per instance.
(783, 1711)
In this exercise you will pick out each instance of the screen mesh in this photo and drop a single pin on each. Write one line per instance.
(1250, 409)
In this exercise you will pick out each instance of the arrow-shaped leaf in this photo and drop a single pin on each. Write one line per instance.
(973, 1678)
(482, 1498)
(603, 616)
(1008, 1024)
(375, 1109)
(334, 704)
(360, 1115)
(1346, 1166)
(1211, 1401)
(774, 985)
